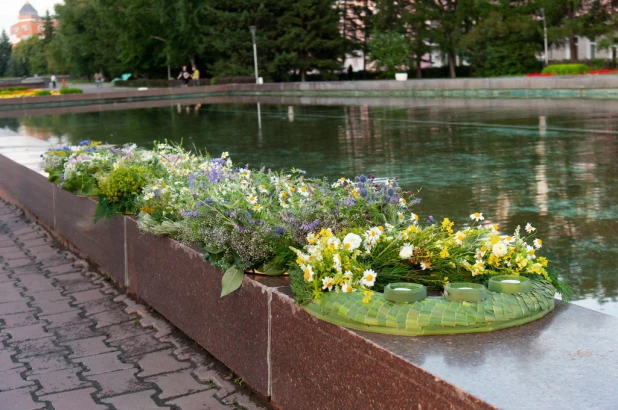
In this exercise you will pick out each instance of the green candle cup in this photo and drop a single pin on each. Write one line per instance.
(465, 292)
(510, 284)
(405, 292)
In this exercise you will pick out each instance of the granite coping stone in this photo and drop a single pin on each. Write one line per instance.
(567, 359)
(483, 85)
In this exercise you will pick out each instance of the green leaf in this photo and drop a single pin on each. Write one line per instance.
(272, 268)
(212, 250)
(231, 280)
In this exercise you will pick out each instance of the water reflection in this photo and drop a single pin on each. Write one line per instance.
(465, 156)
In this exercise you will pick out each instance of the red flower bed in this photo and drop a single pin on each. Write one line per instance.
(604, 71)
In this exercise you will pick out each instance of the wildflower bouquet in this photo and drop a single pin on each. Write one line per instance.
(347, 236)
(433, 255)
(74, 167)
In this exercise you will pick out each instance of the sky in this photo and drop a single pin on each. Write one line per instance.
(9, 10)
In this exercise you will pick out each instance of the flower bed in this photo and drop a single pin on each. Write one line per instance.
(19, 92)
(341, 242)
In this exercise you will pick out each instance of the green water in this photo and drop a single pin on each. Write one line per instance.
(466, 157)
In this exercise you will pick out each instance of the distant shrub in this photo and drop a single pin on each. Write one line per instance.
(71, 91)
(42, 93)
(233, 80)
(566, 69)
(16, 88)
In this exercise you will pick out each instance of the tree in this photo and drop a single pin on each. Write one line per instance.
(450, 20)
(28, 58)
(390, 50)
(311, 36)
(5, 53)
(568, 19)
(506, 41)
(356, 24)
(48, 29)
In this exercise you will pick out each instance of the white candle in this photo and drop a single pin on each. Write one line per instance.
(510, 281)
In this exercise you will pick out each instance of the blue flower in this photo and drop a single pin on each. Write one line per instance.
(364, 193)
(280, 231)
(84, 142)
(191, 179)
(362, 179)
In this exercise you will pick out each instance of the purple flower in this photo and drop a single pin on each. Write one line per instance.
(362, 179)
(430, 219)
(240, 228)
(310, 226)
(191, 180)
(364, 193)
(350, 202)
(190, 214)
(418, 200)
(280, 231)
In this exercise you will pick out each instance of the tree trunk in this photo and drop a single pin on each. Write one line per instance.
(303, 75)
(451, 65)
(573, 47)
(419, 71)
(192, 59)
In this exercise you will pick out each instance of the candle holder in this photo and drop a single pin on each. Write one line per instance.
(465, 292)
(510, 284)
(405, 292)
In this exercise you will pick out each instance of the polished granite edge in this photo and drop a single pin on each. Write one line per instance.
(568, 359)
(577, 87)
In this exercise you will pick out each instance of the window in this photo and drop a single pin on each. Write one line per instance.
(593, 49)
(24, 27)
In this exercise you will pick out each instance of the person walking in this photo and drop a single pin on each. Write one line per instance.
(63, 83)
(184, 76)
(196, 76)
(350, 72)
(53, 81)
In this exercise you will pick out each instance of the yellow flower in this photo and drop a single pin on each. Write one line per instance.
(543, 261)
(444, 253)
(447, 225)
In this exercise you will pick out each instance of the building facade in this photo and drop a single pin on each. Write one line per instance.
(29, 24)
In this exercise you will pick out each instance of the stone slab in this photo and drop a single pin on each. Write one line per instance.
(234, 329)
(103, 242)
(26, 187)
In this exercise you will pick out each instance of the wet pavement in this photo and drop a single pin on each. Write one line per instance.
(70, 340)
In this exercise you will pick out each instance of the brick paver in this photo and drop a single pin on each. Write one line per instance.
(70, 341)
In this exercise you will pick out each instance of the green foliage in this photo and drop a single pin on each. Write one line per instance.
(390, 50)
(566, 69)
(505, 42)
(123, 182)
(5, 53)
(41, 93)
(231, 280)
(71, 91)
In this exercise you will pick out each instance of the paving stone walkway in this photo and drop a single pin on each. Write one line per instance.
(70, 340)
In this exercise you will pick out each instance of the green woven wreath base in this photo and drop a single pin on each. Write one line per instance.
(435, 315)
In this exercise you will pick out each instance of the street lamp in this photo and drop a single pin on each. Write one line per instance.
(252, 29)
(545, 35)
